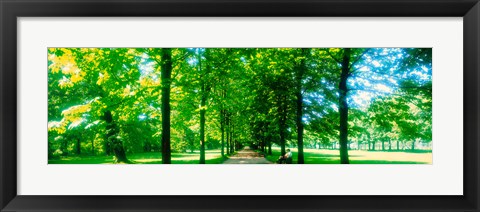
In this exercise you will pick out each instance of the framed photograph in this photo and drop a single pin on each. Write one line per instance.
(239, 106)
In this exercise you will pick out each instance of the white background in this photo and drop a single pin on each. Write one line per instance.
(444, 176)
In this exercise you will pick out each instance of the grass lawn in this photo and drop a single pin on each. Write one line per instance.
(322, 156)
(211, 157)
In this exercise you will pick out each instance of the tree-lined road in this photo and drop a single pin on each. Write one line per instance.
(125, 102)
(247, 156)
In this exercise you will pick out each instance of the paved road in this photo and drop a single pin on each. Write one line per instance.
(247, 156)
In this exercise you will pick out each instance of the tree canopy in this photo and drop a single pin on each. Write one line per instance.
(121, 101)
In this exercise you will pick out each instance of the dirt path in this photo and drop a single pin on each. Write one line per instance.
(247, 156)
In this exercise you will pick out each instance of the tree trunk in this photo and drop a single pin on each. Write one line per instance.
(202, 130)
(344, 107)
(166, 82)
(78, 146)
(383, 145)
(232, 145)
(398, 145)
(413, 145)
(269, 148)
(108, 148)
(300, 73)
(282, 136)
(93, 146)
(389, 145)
(227, 124)
(203, 101)
(222, 129)
(115, 144)
(282, 124)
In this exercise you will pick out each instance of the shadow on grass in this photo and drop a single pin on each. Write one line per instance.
(212, 157)
(319, 158)
(82, 160)
(384, 162)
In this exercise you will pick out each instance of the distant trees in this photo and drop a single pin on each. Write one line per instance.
(117, 101)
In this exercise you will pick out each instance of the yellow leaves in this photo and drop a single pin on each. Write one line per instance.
(85, 50)
(76, 121)
(57, 126)
(127, 91)
(65, 62)
(299, 59)
(60, 62)
(52, 58)
(77, 76)
(75, 110)
(123, 116)
(72, 116)
(89, 57)
(334, 50)
(201, 108)
(177, 67)
(176, 52)
(155, 114)
(414, 109)
(147, 82)
(194, 126)
(259, 55)
(65, 83)
(131, 51)
(102, 77)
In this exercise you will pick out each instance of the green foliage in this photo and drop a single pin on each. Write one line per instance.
(248, 96)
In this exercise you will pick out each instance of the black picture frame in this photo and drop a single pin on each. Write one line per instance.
(11, 9)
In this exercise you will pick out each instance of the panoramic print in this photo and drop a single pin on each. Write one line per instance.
(270, 106)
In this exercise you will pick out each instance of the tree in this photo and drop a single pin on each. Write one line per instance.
(103, 100)
(166, 82)
(346, 64)
(300, 73)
